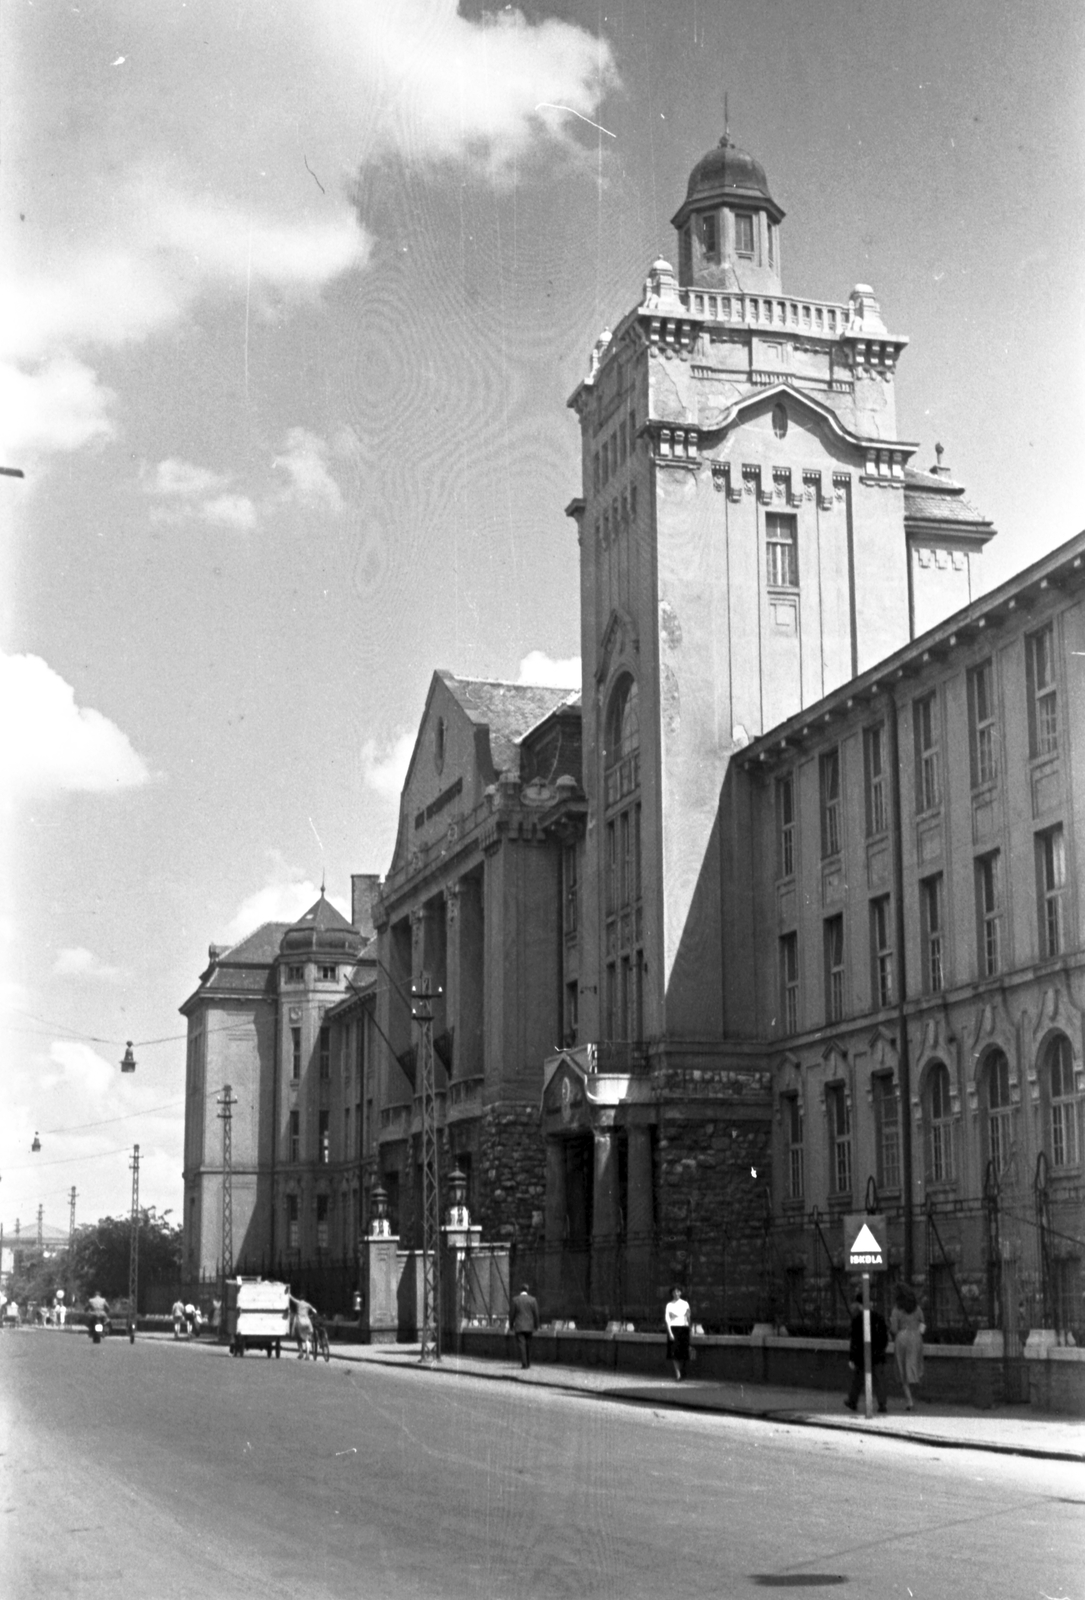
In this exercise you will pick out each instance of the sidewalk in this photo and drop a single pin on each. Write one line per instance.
(1007, 1430)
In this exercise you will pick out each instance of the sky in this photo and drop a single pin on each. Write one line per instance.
(295, 294)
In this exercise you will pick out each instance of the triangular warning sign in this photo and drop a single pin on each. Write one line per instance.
(866, 1246)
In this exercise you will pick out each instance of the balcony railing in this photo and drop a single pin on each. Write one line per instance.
(768, 311)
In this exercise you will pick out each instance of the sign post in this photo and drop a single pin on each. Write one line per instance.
(866, 1246)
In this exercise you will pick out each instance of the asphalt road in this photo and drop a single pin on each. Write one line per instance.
(175, 1471)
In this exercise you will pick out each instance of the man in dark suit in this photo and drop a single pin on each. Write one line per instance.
(523, 1320)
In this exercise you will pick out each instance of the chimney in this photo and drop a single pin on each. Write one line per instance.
(364, 889)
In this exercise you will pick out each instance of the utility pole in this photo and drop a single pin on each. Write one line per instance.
(133, 1258)
(40, 1209)
(422, 1012)
(226, 1103)
(71, 1217)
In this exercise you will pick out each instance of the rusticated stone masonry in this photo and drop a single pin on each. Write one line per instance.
(512, 1187)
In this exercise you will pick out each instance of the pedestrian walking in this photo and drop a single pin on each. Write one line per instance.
(60, 1310)
(677, 1319)
(180, 1324)
(523, 1320)
(302, 1314)
(879, 1345)
(907, 1328)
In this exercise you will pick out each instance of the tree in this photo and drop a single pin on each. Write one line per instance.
(99, 1257)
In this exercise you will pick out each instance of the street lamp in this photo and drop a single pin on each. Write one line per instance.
(36, 1145)
(128, 1060)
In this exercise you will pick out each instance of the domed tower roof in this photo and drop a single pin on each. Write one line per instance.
(322, 928)
(730, 175)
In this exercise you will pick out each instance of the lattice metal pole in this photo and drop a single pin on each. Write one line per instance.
(133, 1255)
(40, 1212)
(422, 1012)
(226, 1103)
(71, 1217)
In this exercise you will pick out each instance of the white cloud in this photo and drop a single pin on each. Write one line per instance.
(282, 900)
(385, 763)
(76, 961)
(53, 405)
(539, 668)
(82, 1069)
(304, 459)
(230, 511)
(50, 743)
(181, 478)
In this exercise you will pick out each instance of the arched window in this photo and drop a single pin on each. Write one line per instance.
(1062, 1104)
(939, 1118)
(998, 1109)
(623, 999)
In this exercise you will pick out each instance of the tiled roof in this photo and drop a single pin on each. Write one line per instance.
(508, 710)
(323, 917)
(931, 498)
(259, 947)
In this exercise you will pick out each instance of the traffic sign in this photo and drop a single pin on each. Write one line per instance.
(866, 1242)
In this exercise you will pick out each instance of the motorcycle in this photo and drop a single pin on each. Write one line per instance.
(96, 1327)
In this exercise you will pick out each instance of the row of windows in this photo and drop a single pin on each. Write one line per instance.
(324, 1055)
(617, 516)
(613, 453)
(352, 1128)
(984, 742)
(1051, 886)
(1062, 1106)
(746, 239)
(325, 974)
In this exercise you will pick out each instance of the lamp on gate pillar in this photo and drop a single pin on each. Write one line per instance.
(457, 1199)
(378, 1223)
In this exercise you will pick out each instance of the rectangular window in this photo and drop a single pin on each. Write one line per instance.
(834, 968)
(322, 1221)
(295, 1136)
(940, 1119)
(685, 254)
(932, 917)
(982, 727)
(1051, 883)
(785, 819)
(571, 899)
(292, 1240)
(571, 1011)
(323, 1138)
(324, 1056)
(612, 1001)
(789, 981)
(621, 442)
(772, 245)
(1042, 693)
(928, 755)
(743, 233)
(346, 1133)
(989, 914)
(887, 1131)
(793, 1135)
(829, 772)
(881, 951)
(328, 974)
(295, 974)
(295, 1054)
(836, 1104)
(782, 551)
(710, 236)
(877, 813)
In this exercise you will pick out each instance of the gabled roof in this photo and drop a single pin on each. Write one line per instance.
(322, 917)
(508, 710)
(795, 395)
(257, 948)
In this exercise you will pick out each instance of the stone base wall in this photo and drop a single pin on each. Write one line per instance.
(512, 1174)
(714, 1184)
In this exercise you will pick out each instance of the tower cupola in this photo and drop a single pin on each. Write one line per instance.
(729, 225)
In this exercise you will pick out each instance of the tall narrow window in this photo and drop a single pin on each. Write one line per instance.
(999, 1109)
(981, 712)
(323, 1139)
(933, 933)
(940, 1124)
(829, 772)
(322, 1221)
(292, 1240)
(295, 1054)
(839, 1113)
(325, 1054)
(989, 913)
(928, 755)
(793, 1134)
(881, 951)
(1042, 692)
(834, 968)
(785, 821)
(710, 236)
(295, 1136)
(887, 1130)
(743, 233)
(877, 815)
(1062, 1102)
(782, 551)
(571, 897)
(622, 866)
(571, 1011)
(1051, 885)
(347, 1149)
(789, 981)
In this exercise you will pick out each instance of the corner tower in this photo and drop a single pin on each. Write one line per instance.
(729, 225)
